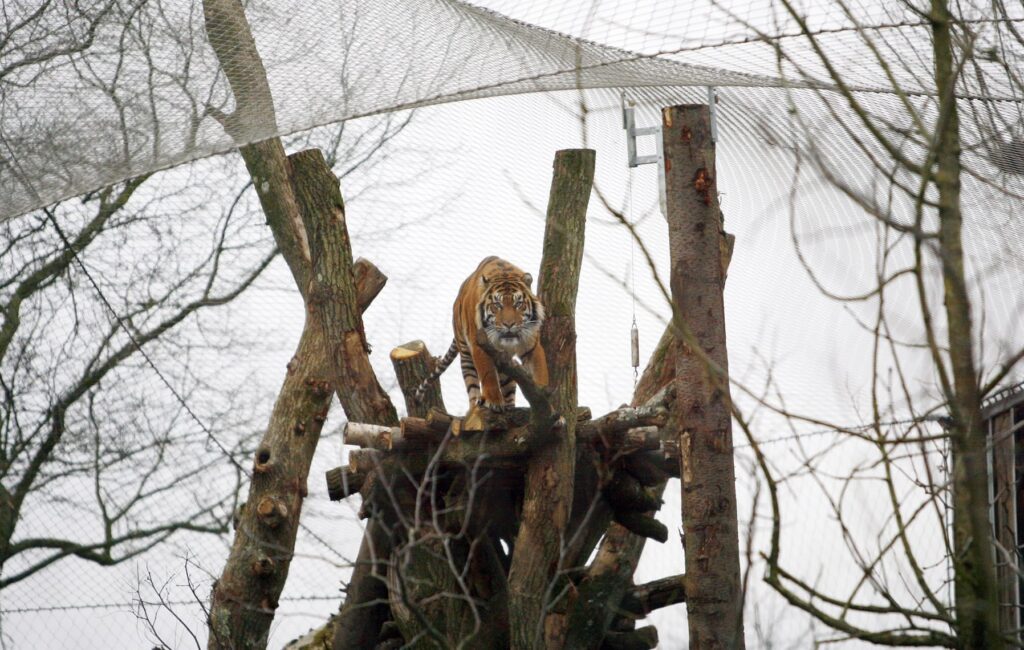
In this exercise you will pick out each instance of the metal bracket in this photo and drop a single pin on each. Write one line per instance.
(632, 131)
(712, 107)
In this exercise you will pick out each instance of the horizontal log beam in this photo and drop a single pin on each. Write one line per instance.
(651, 468)
(612, 428)
(364, 461)
(627, 429)
(369, 436)
(634, 433)
(641, 600)
(642, 525)
(410, 434)
(625, 493)
(342, 482)
(643, 638)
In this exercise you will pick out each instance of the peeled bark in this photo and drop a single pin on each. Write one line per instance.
(702, 405)
(549, 477)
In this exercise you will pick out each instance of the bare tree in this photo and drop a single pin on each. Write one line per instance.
(82, 357)
(913, 143)
(48, 32)
(112, 306)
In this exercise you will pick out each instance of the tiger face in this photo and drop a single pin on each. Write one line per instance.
(510, 315)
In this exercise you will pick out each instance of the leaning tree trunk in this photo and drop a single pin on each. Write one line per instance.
(702, 403)
(331, 298)
(246, 595)
(247, 592)
(977, 604)
(549, 476)
(331, 304)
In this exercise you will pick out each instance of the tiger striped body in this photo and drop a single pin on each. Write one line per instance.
(497, 299)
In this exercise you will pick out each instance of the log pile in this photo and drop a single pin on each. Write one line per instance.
(476, 536)
(445, 501)
(627, 458)
(451, 502)
(630, 438)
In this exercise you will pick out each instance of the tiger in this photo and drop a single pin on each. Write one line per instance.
(497, 299)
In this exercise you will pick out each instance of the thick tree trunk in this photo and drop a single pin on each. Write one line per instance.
(610, 576)
(977, 606)
(234, 620)
(246, 595)
(331, 298)
(549, 477)
(702, 402)
(330, 302)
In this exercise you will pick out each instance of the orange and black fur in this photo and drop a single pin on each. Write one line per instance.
(497, 299)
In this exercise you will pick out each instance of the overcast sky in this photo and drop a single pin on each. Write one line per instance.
(483, 193)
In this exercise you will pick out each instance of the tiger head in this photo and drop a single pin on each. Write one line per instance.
(510, 314)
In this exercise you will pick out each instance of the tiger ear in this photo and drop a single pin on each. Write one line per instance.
(484, 281)
(528, 279)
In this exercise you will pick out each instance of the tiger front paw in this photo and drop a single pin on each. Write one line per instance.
(493, 407)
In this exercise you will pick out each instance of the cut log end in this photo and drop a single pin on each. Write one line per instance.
(413, 367)
(408, 350)
(343, 482)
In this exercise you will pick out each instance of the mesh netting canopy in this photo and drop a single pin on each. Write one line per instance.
(72, 124)
(95, 92)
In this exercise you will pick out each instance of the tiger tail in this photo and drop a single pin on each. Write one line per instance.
(442, 365)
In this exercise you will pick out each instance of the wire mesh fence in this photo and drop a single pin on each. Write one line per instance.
(148, 323)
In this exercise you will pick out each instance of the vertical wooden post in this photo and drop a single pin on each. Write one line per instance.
(702, 403)
(413, 364)
(1004, 506)
(549, 477)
